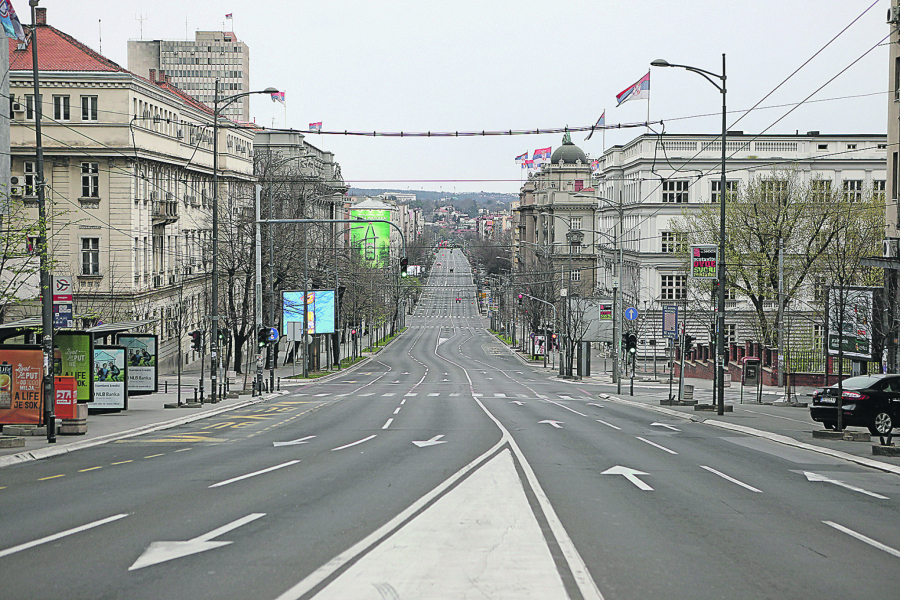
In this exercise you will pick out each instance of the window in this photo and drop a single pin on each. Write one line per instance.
(29, 106)
(575, 248)
(675, 190)
(821, 146)
(851, 146)
(575, 275)
(897, 78)
(575, 223)
(818, 336)
(90, 180)
(878, 188)
(820, 190)
(89, 108)
(31, 245)
(731, 188)
(853, 190)
(30, 178)
(774, 190)
(579, 185)
(673, 287)
(730, 333)
(90, 256)
(61, 108)
(673, 242)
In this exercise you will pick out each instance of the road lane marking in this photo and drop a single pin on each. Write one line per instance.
(402, 402)
(255, 473)
(353, 443)
(667, 426)
(153, 456)
(609, 424)
(61, 534)
(122, 462)
(302, 440)
(388, 424)
(387, 395)
(859, 536)
(396, 410)
(556, 424)
(656, 445)
(817, 477)
(89, 469)
(731, 479)
(51, 477)
(566, 407)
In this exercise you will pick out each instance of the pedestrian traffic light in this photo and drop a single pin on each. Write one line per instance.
(688, 343)
(631, 343)
(262, 336)
(404, 262)
(197, 340)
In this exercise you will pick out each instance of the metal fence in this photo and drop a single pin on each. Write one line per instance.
(813, 361)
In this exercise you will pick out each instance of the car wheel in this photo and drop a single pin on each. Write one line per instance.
(881, 423)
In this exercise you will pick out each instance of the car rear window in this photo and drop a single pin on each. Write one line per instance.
(859, 383)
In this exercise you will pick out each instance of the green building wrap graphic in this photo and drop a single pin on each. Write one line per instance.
(372, 239)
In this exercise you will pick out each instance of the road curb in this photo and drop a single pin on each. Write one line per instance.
(774, 437)
(51, 451)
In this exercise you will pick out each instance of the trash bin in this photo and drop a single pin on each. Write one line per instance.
(688, 392)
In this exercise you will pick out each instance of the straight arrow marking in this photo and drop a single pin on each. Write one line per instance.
(519, 402)
(556, 424)
(159, 552)
(817, 477)
(432, 442)
(630, 475)
(294, 442)
(667, 426)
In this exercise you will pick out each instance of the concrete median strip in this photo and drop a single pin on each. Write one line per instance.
(50, 451)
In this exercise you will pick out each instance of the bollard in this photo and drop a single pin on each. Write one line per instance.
(279, 384)
(195, 395)
(167, 387)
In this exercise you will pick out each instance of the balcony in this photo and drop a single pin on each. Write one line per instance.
(164, 212)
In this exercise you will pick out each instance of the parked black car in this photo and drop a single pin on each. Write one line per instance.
(871, 401)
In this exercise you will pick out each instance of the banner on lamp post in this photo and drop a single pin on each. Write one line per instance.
(704, 261)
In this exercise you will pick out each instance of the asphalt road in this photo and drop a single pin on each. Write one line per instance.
(446, 468)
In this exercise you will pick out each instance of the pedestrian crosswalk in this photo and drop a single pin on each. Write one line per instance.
(480, 395)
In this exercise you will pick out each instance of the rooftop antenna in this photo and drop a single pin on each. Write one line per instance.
(141, 19)
(100, 33)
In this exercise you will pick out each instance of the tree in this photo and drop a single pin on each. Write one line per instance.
(771, 214)
(19, 256)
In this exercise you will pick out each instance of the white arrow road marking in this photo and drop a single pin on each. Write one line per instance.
(254, 474)
(556, 424)
(567, 408)
(656, 445)
(294, 442)
(664, 425)
(630, 475)
(519, 402)
(159, 552)
(432, 442)
(61, 534)
(863, 538)
(594, 404)
(353, 443)
(817, 477)
(609, 424)
(731, 479)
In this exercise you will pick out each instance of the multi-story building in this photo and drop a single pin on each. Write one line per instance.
(891, 255)
(128, 171)
(195, 65)
(646, 184)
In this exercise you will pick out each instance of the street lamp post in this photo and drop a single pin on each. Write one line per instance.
(720, 321)
(214, 328)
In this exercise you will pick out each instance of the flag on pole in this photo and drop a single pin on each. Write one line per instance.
(522, 157)
(228, 16)
(527, 164)
(278, 97)
(638, 91)
(601, 122)
(11, 25)
(595, 164)
(317, 127)
(541, 155)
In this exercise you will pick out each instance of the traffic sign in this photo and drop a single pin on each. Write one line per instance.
(273, 334)
(631, 313)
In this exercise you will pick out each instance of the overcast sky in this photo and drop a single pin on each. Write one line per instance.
(388, 65)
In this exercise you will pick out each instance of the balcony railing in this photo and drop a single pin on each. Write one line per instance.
(164, 211)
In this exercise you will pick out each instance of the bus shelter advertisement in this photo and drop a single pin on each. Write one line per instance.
(110, 378)
(75, 359)
(21, 385)
(140, 354)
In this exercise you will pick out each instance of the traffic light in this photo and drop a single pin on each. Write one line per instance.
(262, 336)
(520, 299)
(715, 290)
(404, 262)
(688, 343)
(631, 344)
(197, 340)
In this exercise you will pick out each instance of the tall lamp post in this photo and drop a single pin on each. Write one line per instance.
(219, 104)
(720, 321)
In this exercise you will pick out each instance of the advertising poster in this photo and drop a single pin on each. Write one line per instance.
(110, 378)
(852, 310)
(75, 359)
(140, 357)
(320, 310)
(21, 385)
(373, 239)
(540, 345)
(704, 262)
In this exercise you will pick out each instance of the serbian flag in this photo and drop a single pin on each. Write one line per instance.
(595, 164)
(542, 155)
(527, 164)
(601, 122)
(11, 25)
(522, 157)
(278, 97)
(228, 16)
(638, 91)
(317, 127)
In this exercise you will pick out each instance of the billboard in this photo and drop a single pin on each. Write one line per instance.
(704, 261)
(21, 384)
(73, 356)
(320, 311)
(110, 378)
(858, 322)
(140, 354)
(373, 239)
